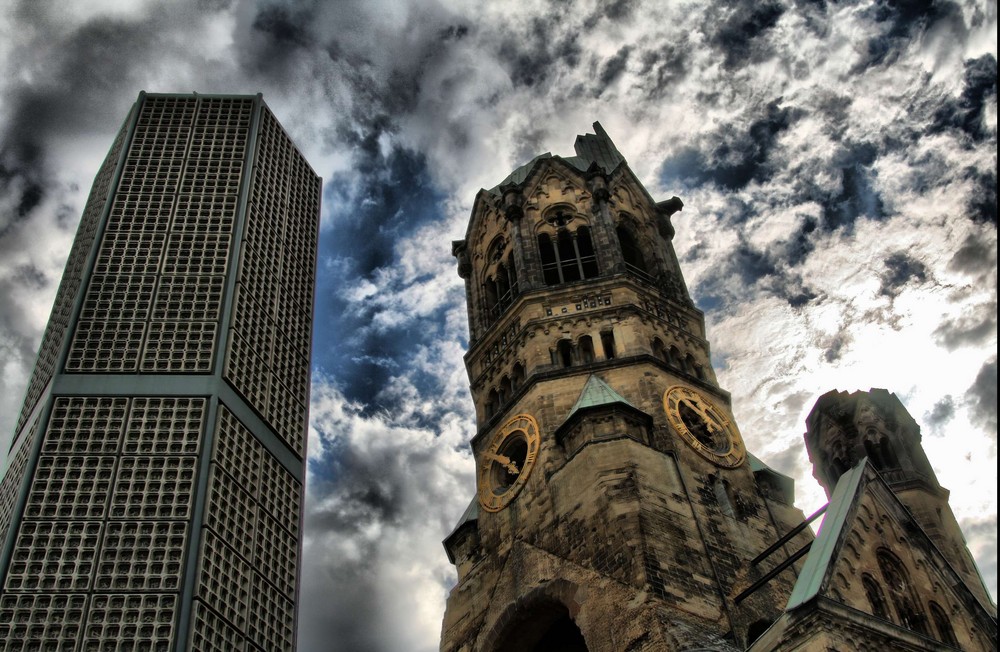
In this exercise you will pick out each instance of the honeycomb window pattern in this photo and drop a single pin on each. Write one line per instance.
(230, 512)
(142, 556)
(130, 623)
(54, 556)
(273, 627)
(12, 479)
(69, 286)
(211, 633)
(179, 347)
(26, 620)
(85, 426)
(268, 353)
(237, 451)
(154, 487)
(224, 580)
(172, 215)
(109, 346)
(70, 487)
(164, 426)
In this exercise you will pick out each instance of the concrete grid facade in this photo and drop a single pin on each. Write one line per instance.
(153, 494)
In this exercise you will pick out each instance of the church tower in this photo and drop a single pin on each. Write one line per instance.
(617, 507)
(844, 428)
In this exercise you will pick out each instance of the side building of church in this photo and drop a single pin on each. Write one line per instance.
(617, 508)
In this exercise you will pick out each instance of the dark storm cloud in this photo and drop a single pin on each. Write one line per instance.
(974, 257)
(901, 21)
(966, 112)
(982, 203)
(731, 157)
(901, 269)
(973, 328)
(740, 36)
(71, 96)
(857, 198)
(942, 412)
(532, 54)
(748, 268)
(612, 69)
(391, 196)
(983, 397)
(663, 67)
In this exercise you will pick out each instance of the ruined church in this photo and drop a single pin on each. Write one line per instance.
(617, 508)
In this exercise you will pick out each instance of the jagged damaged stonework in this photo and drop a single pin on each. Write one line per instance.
(617, 508)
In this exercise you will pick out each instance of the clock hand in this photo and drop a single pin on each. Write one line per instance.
(505, 461)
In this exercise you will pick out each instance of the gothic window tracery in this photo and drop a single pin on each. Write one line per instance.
(875, 599)
(586, 347)
(946, 634)
(897, 582)
(567, 254)
(635, 262)
(500, 285)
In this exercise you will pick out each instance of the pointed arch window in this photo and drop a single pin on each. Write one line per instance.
(564, 353)
(897, 582)
(875, 598)
(943, 624)
(635, 262)
(568, 258)
(500, 286)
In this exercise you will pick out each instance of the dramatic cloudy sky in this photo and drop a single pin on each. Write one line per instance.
(837, 161)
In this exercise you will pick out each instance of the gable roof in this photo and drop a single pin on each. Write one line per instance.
(596, 393)
(859, 484)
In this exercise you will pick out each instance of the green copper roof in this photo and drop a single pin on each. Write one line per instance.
(590, 148)
(597, 392)
(810, 582)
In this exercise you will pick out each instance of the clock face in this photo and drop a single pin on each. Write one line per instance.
(507, 461)
(705, 427)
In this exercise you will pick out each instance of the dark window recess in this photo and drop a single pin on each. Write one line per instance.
(608, 343)
(564, 352)
(570, 258)
(586, 349)
(635, 262)
(945, 632)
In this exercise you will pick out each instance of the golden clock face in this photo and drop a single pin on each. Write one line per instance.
(507, 461)
(705, 427)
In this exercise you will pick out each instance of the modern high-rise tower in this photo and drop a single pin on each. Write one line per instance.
(617, 508)
(153, 495)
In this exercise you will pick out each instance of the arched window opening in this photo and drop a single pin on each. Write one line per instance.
(588, 259)
(699, 372)
(674, 357)
(505, 390)
(503, 286)
(875, 599)
(546, 628)
(608, 344)
(490, 289)
(898, 584)
(690, 365)
(874, 454)
(659, 351)
(721, 492)
(550, 264)
(492, 403)
(889, 458)
(564, 351)
(586, 349)
(943, 625)
(635, 263)
(570, 258)
(517, 376)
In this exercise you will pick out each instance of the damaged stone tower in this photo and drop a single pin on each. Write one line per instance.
(617, 507)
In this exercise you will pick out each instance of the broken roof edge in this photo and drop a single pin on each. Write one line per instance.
(810, 581)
